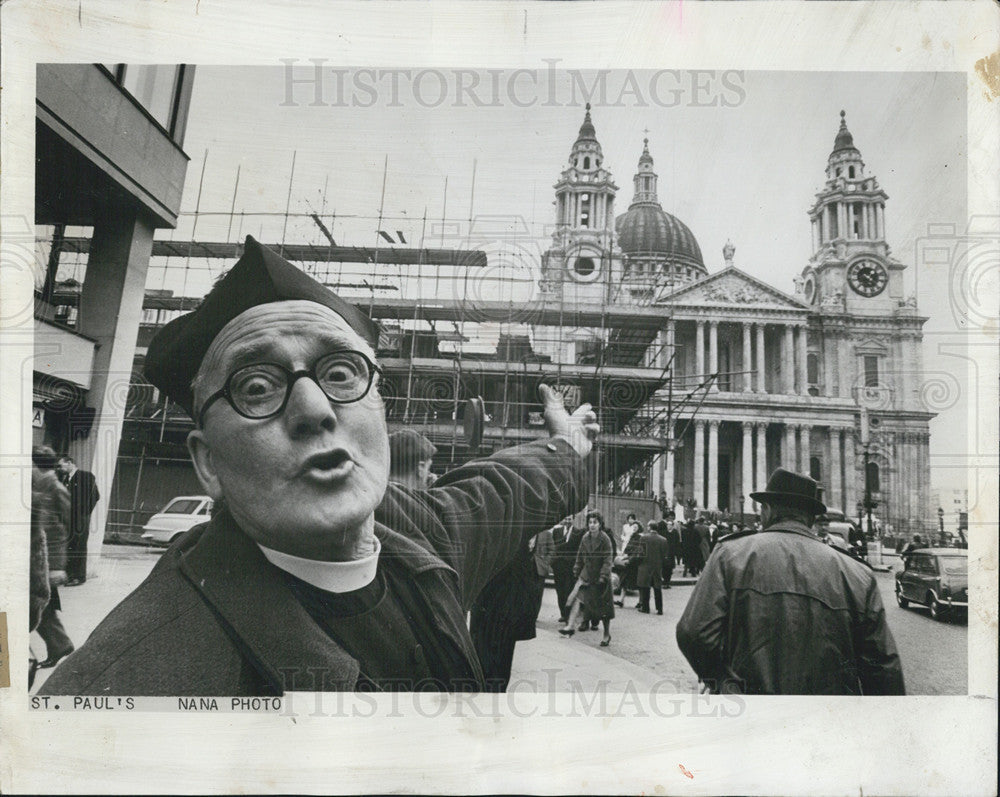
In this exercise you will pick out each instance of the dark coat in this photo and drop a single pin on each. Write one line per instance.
(656, 550)
(593, 566)
(780, 612)
(214, 617)
(50, 506)
(84, 496)
(38, 581)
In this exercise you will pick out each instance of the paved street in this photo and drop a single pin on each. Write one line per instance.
(643, 651)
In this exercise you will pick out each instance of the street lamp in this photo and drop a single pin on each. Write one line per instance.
(941, 523)
(742, 507)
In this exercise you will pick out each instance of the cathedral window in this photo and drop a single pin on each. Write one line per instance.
(872, 477)
(586, 163)
(871, 370)
(812, 373)
(814, 468)
(839, 171)
(850, 172)
(584, 266)
(584, 210)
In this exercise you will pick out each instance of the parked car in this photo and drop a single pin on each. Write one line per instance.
(937, 578)
(180, 515)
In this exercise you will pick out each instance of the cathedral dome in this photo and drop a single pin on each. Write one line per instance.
(647, 230)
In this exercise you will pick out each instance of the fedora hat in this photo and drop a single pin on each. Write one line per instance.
(785, 487)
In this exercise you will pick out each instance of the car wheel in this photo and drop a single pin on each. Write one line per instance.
(903, 602)
(937, 612)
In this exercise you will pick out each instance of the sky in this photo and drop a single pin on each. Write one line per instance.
(740, 156)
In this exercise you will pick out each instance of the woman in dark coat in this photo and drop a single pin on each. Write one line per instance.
(593, 572)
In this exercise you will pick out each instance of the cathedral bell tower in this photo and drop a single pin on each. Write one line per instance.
(577, 266)
(851, 268)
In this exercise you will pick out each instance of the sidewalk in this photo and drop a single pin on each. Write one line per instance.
(548, 663)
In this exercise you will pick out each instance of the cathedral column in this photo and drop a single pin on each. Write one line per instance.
(850, 473)
(845, 375)
(841, 220)
(698, 482)
(761, 461)
(713, 465)
(713, 351)
(668, 469)
(836, 482)
(747, 369)
(804, 443)
(803, 336)
(788, 362)
(761, 373)
(656, 472)
(699, 347)
(816, 235)
(747, 458)
(788, 449)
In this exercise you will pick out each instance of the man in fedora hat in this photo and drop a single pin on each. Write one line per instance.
(780, 612)
(315, 573)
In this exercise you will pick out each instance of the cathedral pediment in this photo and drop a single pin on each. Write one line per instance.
(732, 287)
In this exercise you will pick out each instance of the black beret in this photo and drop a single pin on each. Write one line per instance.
(260, 276)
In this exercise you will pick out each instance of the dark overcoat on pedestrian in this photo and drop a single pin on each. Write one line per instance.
(780, 612)
(214, 617)
(656, 550)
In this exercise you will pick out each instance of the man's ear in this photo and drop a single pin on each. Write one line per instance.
(201, 456)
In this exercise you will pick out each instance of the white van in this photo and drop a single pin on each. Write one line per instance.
(180, 515)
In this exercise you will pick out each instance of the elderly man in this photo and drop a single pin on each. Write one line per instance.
(314, 574)
(779, 612)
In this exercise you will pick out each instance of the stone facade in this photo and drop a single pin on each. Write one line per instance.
(817, 380)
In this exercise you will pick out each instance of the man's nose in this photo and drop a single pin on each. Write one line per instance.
(308, 409)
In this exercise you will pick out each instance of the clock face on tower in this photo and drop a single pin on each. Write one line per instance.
(867, 277)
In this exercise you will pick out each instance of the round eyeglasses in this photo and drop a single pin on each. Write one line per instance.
(261, 390)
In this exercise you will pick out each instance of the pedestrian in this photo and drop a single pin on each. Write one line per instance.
(84, 495)
(50, 504)
(629, 528)
(779, 612)
(655, 553)
(315, 573)
(704, 529)
(506, 611)
(669, 533)
(566, 539)
(593, 571)
(629, 568)
(911, 546)
(410, 458)
(39, 589)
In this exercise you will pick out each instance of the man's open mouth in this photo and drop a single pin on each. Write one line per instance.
(330, 464)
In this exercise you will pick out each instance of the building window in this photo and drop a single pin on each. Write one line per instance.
(158, 89)
(814, 469)
(873, 477)
(586, 163)
(584, 266)
(850, 172)
(871, 370)
(856, 217)
(584, 210)
(812, 373)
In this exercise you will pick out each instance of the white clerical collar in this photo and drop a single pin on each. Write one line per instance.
(328, 576)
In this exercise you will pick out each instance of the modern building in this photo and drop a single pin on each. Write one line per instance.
(110, 170)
